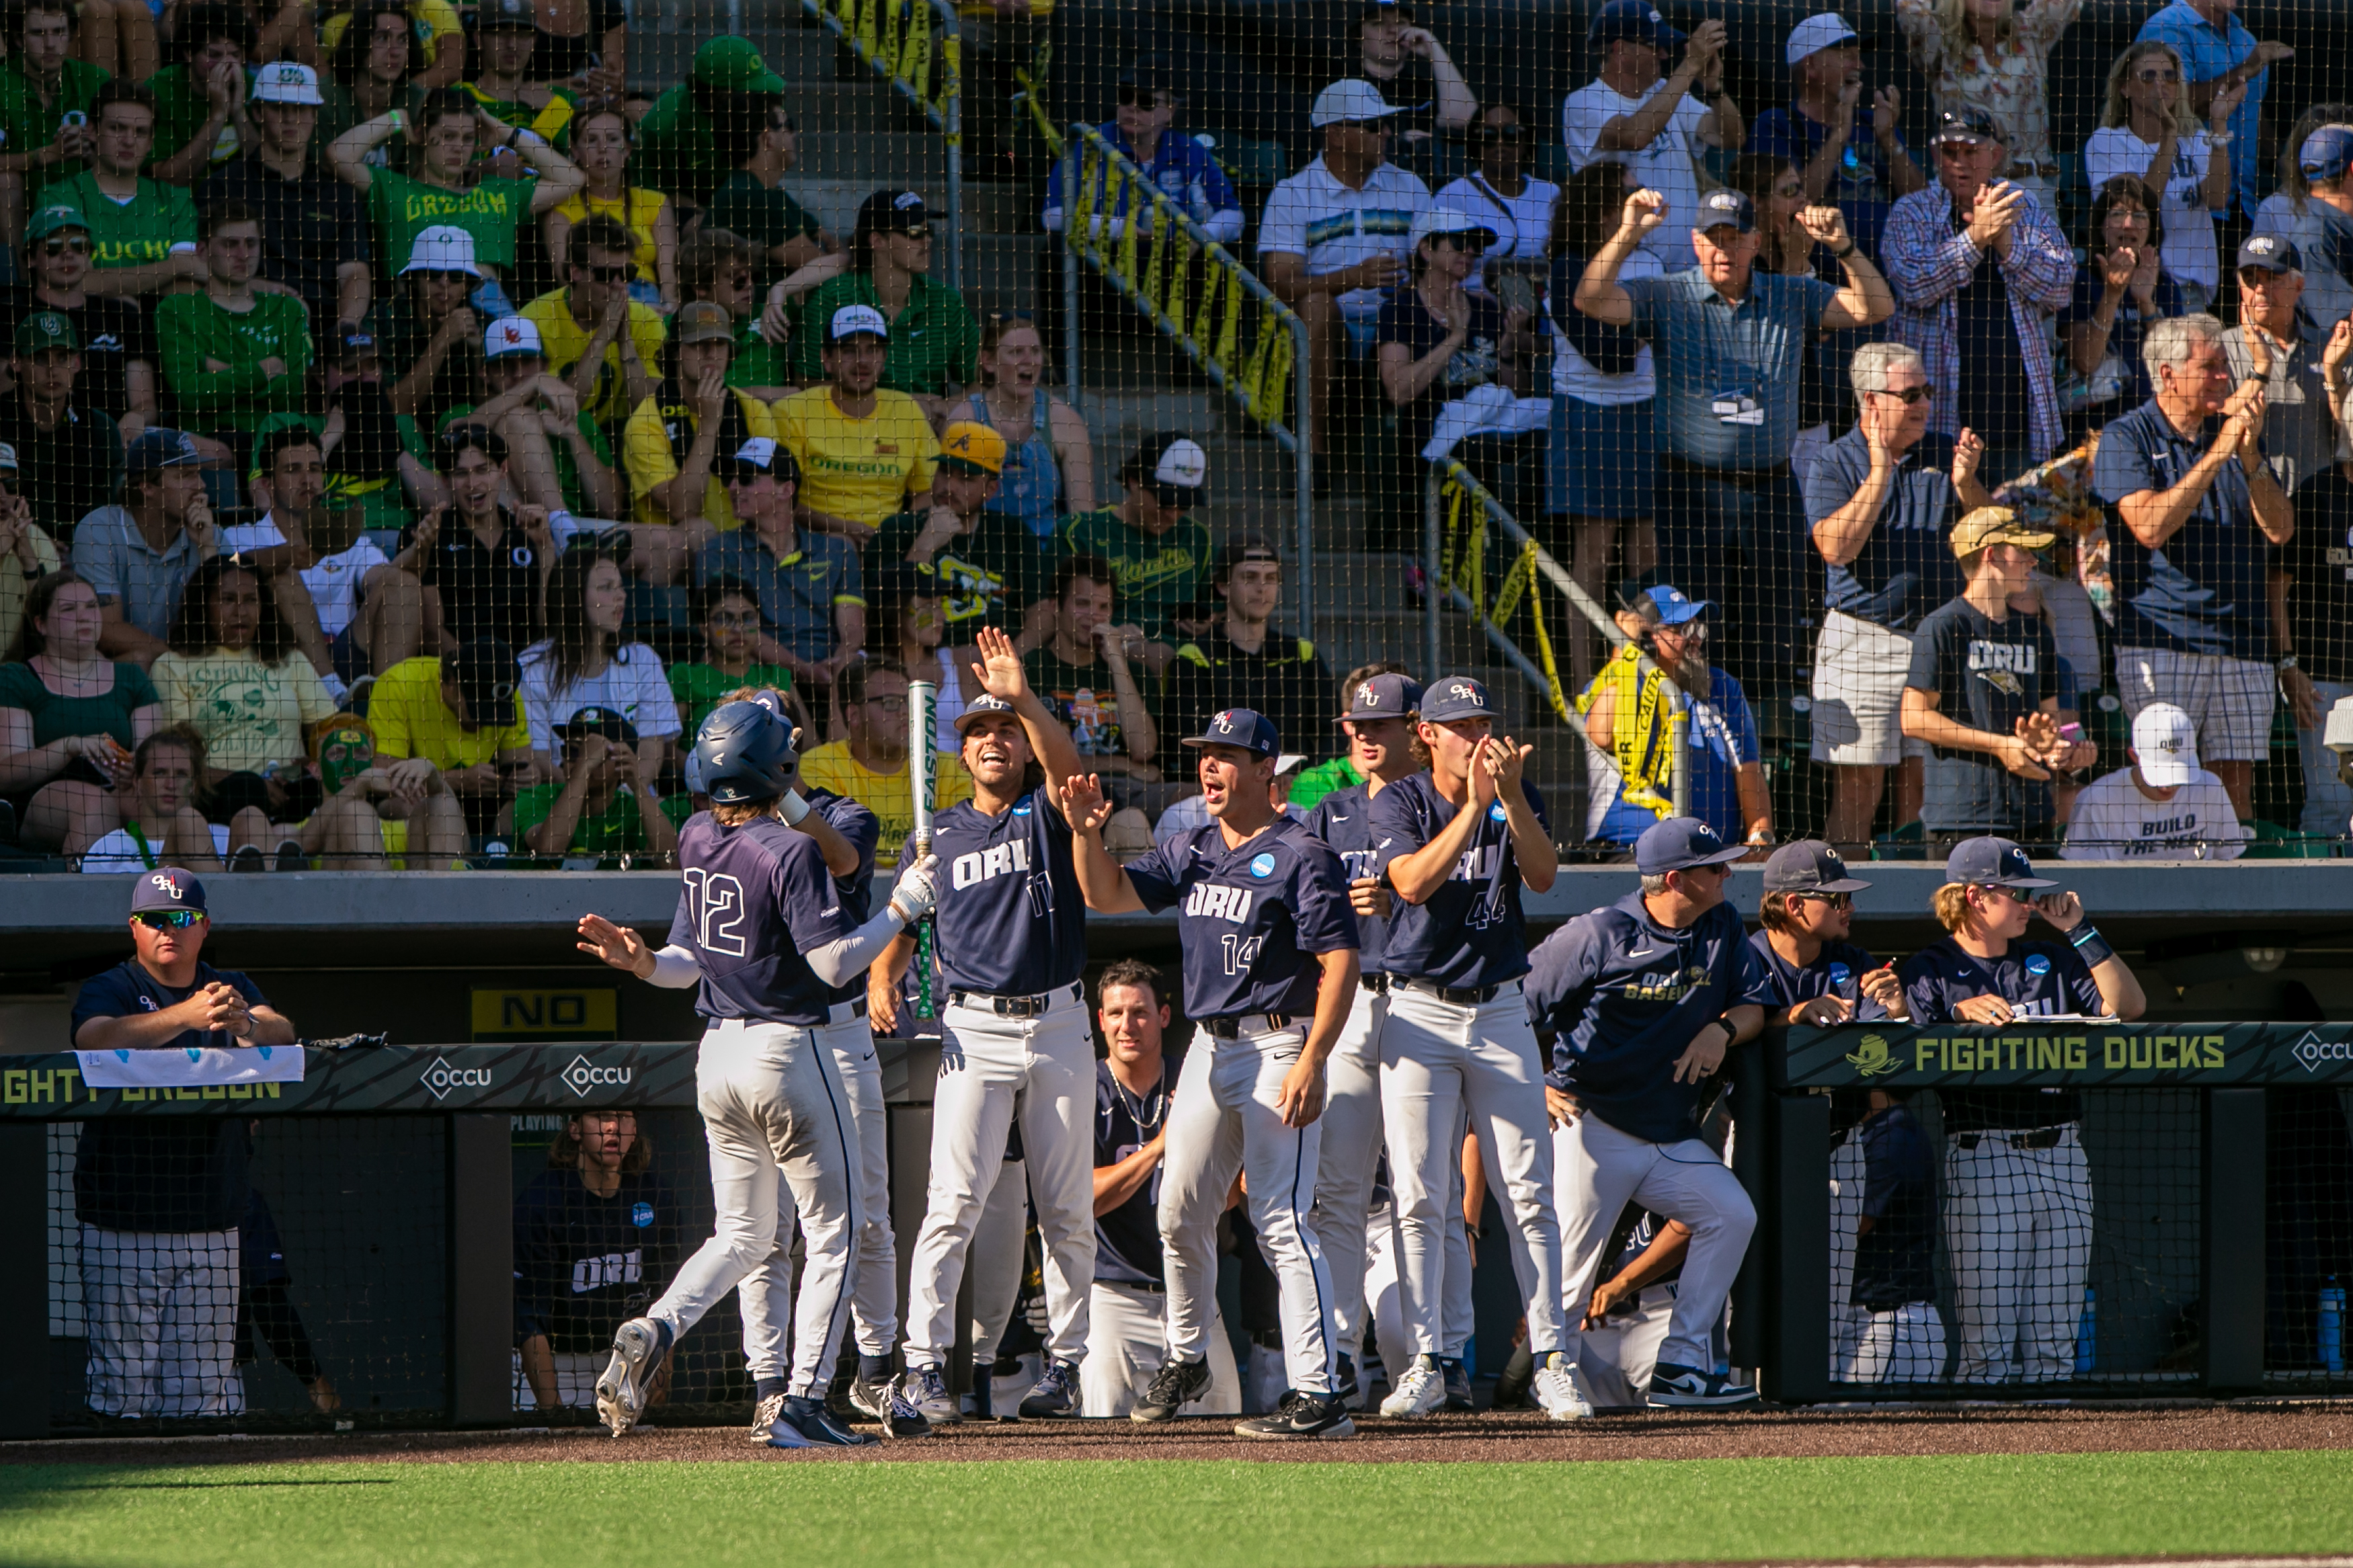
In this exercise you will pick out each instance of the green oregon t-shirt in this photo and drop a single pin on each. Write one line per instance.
(28, 125)
(698, 687)
(383, 503)
(401, 208)
(987, 577)
(1159, 575)
(618, 830)
(160, 219)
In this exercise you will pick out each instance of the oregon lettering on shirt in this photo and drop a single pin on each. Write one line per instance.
(1135, 574)
(422, 204)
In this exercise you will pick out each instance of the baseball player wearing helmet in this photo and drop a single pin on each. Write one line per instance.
(1641, 999)
(1012, 929)
(2018, 1191)
(1268, 940)
(1455, 843)
(761, 929)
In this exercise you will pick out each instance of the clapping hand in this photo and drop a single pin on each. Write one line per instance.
(616, 945)
(1968, 451)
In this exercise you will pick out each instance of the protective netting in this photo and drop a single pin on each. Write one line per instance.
(2016, 1237)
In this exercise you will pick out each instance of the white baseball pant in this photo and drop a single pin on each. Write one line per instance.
(1224, 1121)
(2018, 1225)
(996, 1261)
(1600, 1170)
(774, 1105)
(1846, 1214)
(160, 1311)
(1385, 1294)
(992, 1069)
(1906, 1345)
(1440, 1063)
(1127, 1344)
(1351, 1151)
(576, 1372)
(1614, 1362)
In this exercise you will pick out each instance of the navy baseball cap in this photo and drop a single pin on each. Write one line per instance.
(2270, 253)
(2326, 154)
(1677, 844)
(1726, 209)
(1993, 863)
(1456, 697)
(1636, 19)
(595, 720)
(1384, 697)
(1966, 123)
(167, 888)
(981, 707)
(1239, 727)
(1809, 866)
(160, 447)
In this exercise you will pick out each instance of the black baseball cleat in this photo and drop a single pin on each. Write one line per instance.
(1676, 1387)
(807, 1424)
(1055, 1394)
(1458, 1385)
(1301, 1415)
(1176, 1386)
(885, 1401)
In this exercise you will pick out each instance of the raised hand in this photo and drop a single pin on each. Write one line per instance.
(2063, 911)
(1887, 111)
(1968, 451)
(2117, 267)
(1084, 806)
(917, 892)
(711, 393)
(1825, 226)
(1482, 776)
(2339, 346)
(1645, 210)
(1000, 670)
(1507, 760)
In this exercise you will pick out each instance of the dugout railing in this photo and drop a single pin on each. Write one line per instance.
(2218, 1226)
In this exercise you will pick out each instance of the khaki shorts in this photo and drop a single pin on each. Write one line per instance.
(2229, 699)
(1858, 714)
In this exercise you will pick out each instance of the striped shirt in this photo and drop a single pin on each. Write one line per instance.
(1312, 215)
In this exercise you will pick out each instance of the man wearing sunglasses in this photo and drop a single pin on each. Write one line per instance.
(598, 338)
(753, 202)
(71, 453)
(1878, 501)
(158, 1200)
(1176, 165)
(118, 348)
(1817, 976)
(2018, 1190)
(1639, 1001)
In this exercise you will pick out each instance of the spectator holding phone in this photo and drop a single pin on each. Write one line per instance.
(605, 803)
(68, 719)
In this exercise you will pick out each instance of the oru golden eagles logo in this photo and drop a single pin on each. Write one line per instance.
(1871, 1058)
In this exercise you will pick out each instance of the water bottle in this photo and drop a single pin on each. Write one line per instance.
(2332, 1326)
(2087, 1334)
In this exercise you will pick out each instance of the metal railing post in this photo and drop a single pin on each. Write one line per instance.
(951, 116)
(1302, 384)
(1434, 569)
(1070, 275)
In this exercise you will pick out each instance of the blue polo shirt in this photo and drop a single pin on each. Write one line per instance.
(1905, 567)
(1728, 374)
(2203, 591)
(1862, 188)
(2207, 51)
(798, 594)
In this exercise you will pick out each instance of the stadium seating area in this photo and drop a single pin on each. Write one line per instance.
(417, 417)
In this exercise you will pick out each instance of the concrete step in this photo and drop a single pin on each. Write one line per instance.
(864, 106)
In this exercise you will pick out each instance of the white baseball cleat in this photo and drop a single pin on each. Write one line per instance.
(1556, 1390)
(637, 1348)
(927, 1391)
(1419, 1391)
(764, 1417)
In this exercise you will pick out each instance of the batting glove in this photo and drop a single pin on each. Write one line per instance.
(916, 895)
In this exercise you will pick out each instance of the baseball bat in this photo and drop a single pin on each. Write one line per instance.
(923, 779)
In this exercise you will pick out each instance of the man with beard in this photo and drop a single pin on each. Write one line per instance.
(375, 458)
(1627, 722)
(489, 566)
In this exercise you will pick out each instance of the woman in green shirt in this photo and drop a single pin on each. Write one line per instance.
(69, 718)
(729, 613)
(443, 186)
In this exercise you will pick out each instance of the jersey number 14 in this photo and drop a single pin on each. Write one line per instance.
(1240, 951)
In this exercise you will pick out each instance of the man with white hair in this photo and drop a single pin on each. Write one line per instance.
(2196, 506)
(2163, 806)
(1878, 503)
(2302, 378)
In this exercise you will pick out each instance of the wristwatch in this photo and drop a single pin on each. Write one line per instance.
(2287, 661)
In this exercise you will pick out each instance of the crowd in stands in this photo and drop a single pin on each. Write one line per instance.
(410, 431)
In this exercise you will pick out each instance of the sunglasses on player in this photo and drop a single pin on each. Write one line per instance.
(168, 920)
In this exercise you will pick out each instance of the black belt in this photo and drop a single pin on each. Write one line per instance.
(1231, 1028)
(857, 1005)
(1744, 477)
(1460, 995)
(1379, 985)
(1015, 1006)
(1155, 1285)
(2033, 1138)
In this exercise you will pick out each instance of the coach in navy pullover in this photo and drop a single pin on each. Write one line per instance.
(1641, 998)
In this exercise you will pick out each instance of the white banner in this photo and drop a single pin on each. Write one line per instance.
(183, 1069)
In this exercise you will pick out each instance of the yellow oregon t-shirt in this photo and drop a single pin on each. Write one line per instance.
(646, 452)
(566, 340)
(887, 796)
(435, 20)
(410, 720)
(863, 470)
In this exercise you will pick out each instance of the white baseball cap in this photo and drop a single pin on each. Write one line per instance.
(444, 248)
(512, 335)
(851, 320)
(2165, 744)
(1815, 34)
(1347, 101)
(1431, 221)
(287, 82)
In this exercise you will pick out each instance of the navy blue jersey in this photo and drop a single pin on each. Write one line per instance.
(1836, 971)
(1344, 819)
(1894, 1261)
(755, 898)
(1621, 997)
(584, 1264)
(864, 831)
(1012, 921)
(2038, 979)
(169, 1173)
(1469, 932)
(1251, 916)
(1640, 1227)
(1127, 1238)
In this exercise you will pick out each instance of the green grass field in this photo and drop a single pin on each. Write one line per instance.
(1184, 1514)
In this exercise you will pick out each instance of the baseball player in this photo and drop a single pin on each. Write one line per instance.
(1899, 1337)
(1641, 999)
(1455, 843)
(1621, 1326)
(761, 929)
(2018, 1192)
(1012, 942)
(1817, 975)
(1269, 941)
(1128, 1342)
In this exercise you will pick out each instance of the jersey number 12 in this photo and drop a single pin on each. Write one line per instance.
(717, 911)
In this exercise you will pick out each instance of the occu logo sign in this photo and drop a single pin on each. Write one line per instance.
(439, 1078)
(2312, 1051)
(581, 1076)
